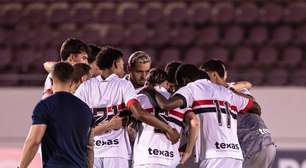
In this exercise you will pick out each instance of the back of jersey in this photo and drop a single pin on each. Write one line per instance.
(151, 145)
(108, 97)
(217, 109)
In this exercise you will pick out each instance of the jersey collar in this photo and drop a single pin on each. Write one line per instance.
(109, 78)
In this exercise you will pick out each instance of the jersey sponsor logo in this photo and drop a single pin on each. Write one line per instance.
(107, 142)
(157, 152)
(227, 146)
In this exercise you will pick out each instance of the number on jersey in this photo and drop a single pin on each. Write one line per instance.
(227, 112)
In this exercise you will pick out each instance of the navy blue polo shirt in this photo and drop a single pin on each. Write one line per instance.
(68, 121)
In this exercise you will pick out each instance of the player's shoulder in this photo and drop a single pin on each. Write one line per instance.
(123, 80)
(126, 84)
(91, 81)
(199, 84)
(163, 91)
(143, 100)
(142, 97)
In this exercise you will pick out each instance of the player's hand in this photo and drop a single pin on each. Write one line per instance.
(132, 132)
(173, 135)
(116, 122)
(185, 156)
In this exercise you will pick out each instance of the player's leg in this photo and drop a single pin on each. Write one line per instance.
(98, 162)
(115, 163)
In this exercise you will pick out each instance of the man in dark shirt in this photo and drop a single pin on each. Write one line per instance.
(62, 124)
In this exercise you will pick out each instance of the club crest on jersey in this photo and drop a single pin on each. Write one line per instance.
(107, 142)
(264, 131)
(227, 146)
(157, 152)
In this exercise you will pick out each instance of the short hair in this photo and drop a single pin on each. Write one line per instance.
(157, 76)
(214, 65)
(93, 52)
(72, 46)
(107, 56)
(79, 70)
(63, 72)
(188, 73)
(171, 69)
(139, 57)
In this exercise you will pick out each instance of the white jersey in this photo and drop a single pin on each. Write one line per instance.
(217, 108)
(47, 87)
(107, 98)
(151, 145)
(127, 77)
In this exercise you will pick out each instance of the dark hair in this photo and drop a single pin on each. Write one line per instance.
(93, 52)
(72, 46)
(214, 65)
(63, 72)
(188, 73)
(157, 76)
(171, 69)
(107, 56)
(79, 70)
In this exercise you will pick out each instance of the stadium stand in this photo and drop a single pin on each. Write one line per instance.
(250, 36)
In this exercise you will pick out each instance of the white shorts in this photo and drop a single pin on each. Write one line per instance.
(152, 166)
(221, 162)
(110, 163)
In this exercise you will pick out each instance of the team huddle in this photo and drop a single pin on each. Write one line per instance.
(92, 114)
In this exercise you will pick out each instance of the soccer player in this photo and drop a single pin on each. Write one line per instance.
(109, 95)
(139, 65)
(217, 108)
(62, 124)
(254, 136)
(152, 148)
(72, 51)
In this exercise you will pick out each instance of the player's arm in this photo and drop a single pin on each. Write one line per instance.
(140, 114)
(181, 99)
(242, 85)
(90, 148)
(194, 126)
(48, 66)
(114, 123)
(255, 109)
(31, 144)
(175, 101)
(242, 94)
